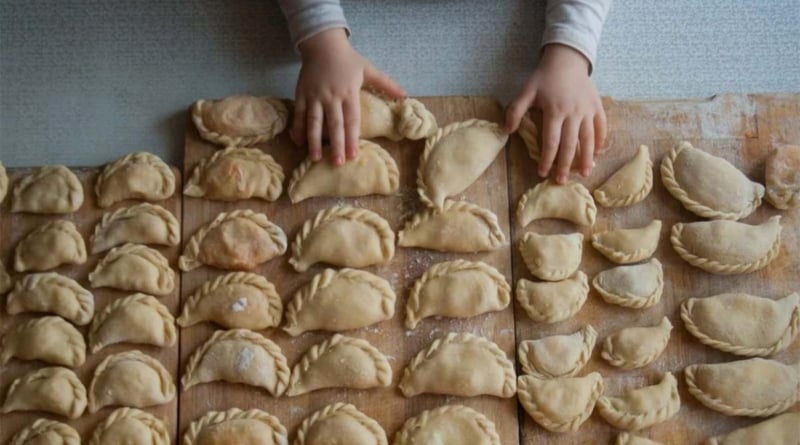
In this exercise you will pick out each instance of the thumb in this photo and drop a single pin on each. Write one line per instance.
(380, 81)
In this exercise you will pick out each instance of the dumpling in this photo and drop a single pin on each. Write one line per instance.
(50, 339)
(5, 279)
(54, 390)
(626, 246)
(460, 365)
(449, 424)
(395, 119)
(140, 175)
(719, 246)
(636, 286)
(551, 302)
(373, 172)
(781, 429)
(234, 426)
(340, 301)
(135, 268)
(709, 186)
(459, 226)
(340, 362)
(236, 173)
(130, 425)
(342, 422)
(636, 347)
(50, 245)
(239, 240)
(640, 408)
(743, 324)
(52, 293)
(3, 182)
(137, 318)
(560, 404)
(552, 257)
(343, 236)
(459, 289)
(238, 356)
(626, 438)
(570, 202)
(240, 120)
(557, 355)
(455, 157)
(46, 432)
(630, 184)
(140, 224)
(131, 379)
(234, 300)
(783, 181)
(49, 189)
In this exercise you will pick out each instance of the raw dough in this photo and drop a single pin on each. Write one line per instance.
(52, 293)
(137, 318)
(240, 120)
(49, 189)
(54, 390)
(141, 175)
(135, 268)
(782, 174)
(236, 173)
(551, 302)
(130, 426)
(394, 119)
(557, 355)
(627, 246)
(140, 224)
(626, 438)
(46, 432)
(50, 245)
(781, 429)
(3, 182)
(131, 379)
(637, 286)
(570, 202)
(341, 422)
(560, 404)
(234, 426)
(636, 347)
(630, 184)
(50, 339)
(552, 257)
(459, 226)
(5, 279)
(449, 424)
(640, 408)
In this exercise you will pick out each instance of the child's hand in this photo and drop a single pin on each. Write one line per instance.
(328, 94)
(572, 112)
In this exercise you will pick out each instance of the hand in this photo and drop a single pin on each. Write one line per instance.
(328, 94)
(572, 113)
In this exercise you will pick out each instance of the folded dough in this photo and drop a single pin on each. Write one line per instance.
(626, 246)
(140, 175)
(130, 425)
(571, 202)
(551, 302)
(135, 268)
(50, 245)
(240, 120)
(626, 438)
(3, 182)
(131, 379)
(234, 426)
(552, 257)
(781, 429)
(636, 286)
(449, 424)
(459, 226)
(640, 408)
(394, 119)
(140, 224)
(783, 179)
(341, 422)
(50, 339)
(236, 173)
(46, 432)
(630, 184)
(560, 404)
(5, 279)
(52, 293)
(557, 355)
(54, 390)
(137, 318)
(636, 347)
(49, 189)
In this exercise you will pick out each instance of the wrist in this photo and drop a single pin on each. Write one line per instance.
(325, 41)
(564, 57)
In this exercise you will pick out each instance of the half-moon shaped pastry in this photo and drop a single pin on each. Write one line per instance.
(450, 424)
(3, 182)
(552, 257)
(50, 339)
(46, 432)
(459, 226)
(459, 289)
(640, 408)
(136, 268)
(560, 404)
(779, 429)
(141, 175)
(455, 157)
(783, 181)
(343, 236)
(394, 119)
(709, 186)
(238, 356)
(240, 120)
(626, 246)
(636, 347)
(140, 224)
(630, 184)
(137, 318)
(460, 365)
(373, 172)
(743, 324)
(54, 390)
(551, 302)
(238, 240)
(636, 286)
(236, 173)
(131, 379)
(5, 279)
(49, 189)
(557, 355)
(234, 300)
(570, 202)
(130, 425)
(626, 438)
(49, 246)
(340, 301)
(234, 426)
(720, 247)
(343, 422)
(52, 293)
(340, 362)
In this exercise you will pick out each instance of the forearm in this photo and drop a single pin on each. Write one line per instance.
(577, 24)
(307, 18)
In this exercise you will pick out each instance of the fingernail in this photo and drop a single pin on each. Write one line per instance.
(561, 179)
(337, 160)
(543, 173)
(585, 172)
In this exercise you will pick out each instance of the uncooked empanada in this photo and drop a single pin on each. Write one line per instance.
(238, 356)
(340, 301)
(636, 347)
(340, 362)
(141, 175)
(140, 224)
(3, 182)
(394, 119)
(135, 268)
(130, 426)
(49, 189)
(557, 355)
(626, 438)
(50, 339)
(783, 429)
(449, 424)
(49, 246)
(234, 300)
(52, 293)
(373, 172)
(46, 432)
(455, 157)
(343, 236)
(626, 246)
(636, 286)
(640, 408)
(236, 173)
(630, 184)
(342, 422)
(551, 302)
(552, 257)
(459, 289)
(754, 387)
(131, 379)
(54, 390)
(5, 279)
(570, 202)
(782, 177)
(707, 185)
(137, 318)
(727, 247)
(239, 240)
(560, 404)
(234, 426)
(240, 120)
(459, 226)
(460, 364)
(743, 324)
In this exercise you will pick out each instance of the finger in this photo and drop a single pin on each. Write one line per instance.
(566, 151)
(314, 118)
(352, 126)
(518, 108)
(382, 82)
(600, 130)
(587, 140)
(298, 133)
(551, 136)
(335, 121)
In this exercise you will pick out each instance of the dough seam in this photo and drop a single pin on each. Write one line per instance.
(542, 419)
(41, 426)
(100, 318)
(609, 202)
(173, 237)
(245, 278)
(715, 266)
(166, 387)
(194, 188)
(340, 408)
(415, 423)
(588, 336)
(223, 139)
(139, 157)
(74, 194)
(496, 236)
(154, 424)
(216, 417)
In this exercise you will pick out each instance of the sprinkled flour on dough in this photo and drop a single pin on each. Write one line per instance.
(239, 305)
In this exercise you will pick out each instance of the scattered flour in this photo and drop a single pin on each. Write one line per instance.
(239, 305)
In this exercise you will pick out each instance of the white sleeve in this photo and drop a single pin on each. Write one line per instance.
(576, 23)
(309, 17)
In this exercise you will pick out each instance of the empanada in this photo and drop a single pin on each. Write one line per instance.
(552, 257)
(636, 286)
(49, 189)
(340, 301)
(551, 302)
(234, 426)
(238, 356)
(137, 318)
(459, 289)
(373, 172)
(3, 182)
(131, 379)
(630, 184)
(560, 404)
(342, 422)
(5, 279)
(782, 178)
(557, 355)
(460, 365)
(459, 226)
(449, 424)
(135, 268)
(727, 247)
(783, 429)
(707, 185)
(570, 202)
(54, 390)
(140, 224)
(340, 362)
(238, 240)
(130, 426)
(639, 408)
(343, 236)
(636, 347)
(240, 120)
(46, 432)
(394, 119)
(626, 438)
(52, 293)
(50, 339)
(455, 157)
(140, 175)
(626, 246)
(236, 173)
(234, 300)
(48, 246)
(743, 324)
